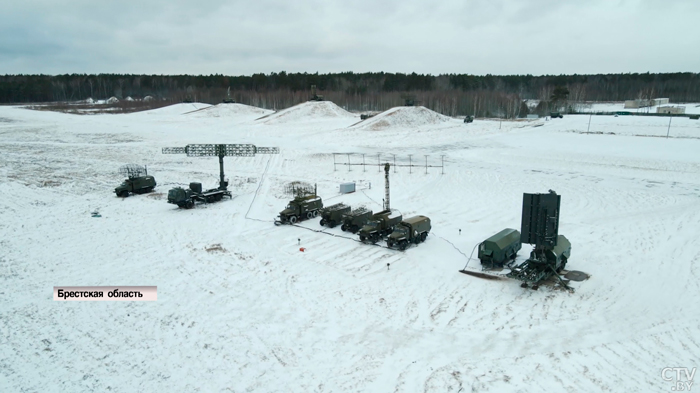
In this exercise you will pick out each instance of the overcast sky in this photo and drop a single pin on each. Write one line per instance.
(245, 37)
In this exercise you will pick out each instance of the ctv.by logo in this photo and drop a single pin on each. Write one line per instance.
(682, 378)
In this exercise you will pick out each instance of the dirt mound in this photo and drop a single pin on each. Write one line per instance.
(403, 117)
(308, 111)
(230, 110)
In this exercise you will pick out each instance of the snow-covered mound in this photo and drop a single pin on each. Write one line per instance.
(231, 110)
(177, 109)
(403, 117)
(309, 111)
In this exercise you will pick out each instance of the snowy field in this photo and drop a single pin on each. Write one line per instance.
(241, 309)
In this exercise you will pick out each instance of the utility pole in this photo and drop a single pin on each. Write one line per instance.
(589, 122)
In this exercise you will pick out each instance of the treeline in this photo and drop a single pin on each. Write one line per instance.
(451, 94)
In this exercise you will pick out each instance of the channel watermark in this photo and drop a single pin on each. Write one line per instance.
(97, 294)
(681, 378)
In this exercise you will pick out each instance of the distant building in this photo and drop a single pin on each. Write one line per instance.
(533, 116)
(672, 110)
(635, 104)
(659, 101)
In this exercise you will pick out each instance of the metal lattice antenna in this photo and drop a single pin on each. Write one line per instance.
(298, 189)
(221, 151)
(387, 206)
(132, 170)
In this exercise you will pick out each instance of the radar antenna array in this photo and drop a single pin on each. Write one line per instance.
(133, 171)
(221, 150)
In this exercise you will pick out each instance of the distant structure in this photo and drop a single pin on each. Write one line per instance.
(409, 99)
(671, 110)
(314, 96)
(533, 116)
(639, 103)
(228, 99)
(636, 104)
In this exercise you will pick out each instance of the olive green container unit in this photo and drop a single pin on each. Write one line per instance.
(500, 248)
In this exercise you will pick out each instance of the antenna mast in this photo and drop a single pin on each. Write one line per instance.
(386, 187)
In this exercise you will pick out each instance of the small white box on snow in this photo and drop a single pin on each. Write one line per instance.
(346, 188)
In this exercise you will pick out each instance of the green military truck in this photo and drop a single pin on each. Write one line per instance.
(356, 219)
(499, 248)
(555, 115)
(333, 215)
(411, 230)
(380, 225)
(135, 185)
(186, 198)
(300, 208)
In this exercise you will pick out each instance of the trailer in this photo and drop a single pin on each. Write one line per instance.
(355, 219)
(333, 215)
(187, 198)
(499, 248)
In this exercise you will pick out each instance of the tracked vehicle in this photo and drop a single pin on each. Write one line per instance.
(411, 230)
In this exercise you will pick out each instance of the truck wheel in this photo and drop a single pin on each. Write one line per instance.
(293, 219)
(374, 239)
(354, 229)
(343, 227)
(323, 222)
(315, 213)
(423, 236)
(402, 245)
(310, 215)
(332, 224)
(123, 194)
(189, 204)
(362, 238)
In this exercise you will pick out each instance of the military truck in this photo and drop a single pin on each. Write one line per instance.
(555, 115)
(499, 248)
(380, 225)
(300, 208)
(355, 219)
(136, 185)
(469, 119)
(411, 230)
(333, 215)
(186, 198)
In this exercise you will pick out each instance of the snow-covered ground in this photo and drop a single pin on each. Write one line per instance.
(241, 309)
